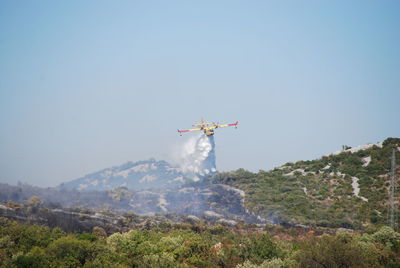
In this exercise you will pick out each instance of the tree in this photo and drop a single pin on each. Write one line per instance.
(261, 247)
(33, 203)
(99, 232)
(335, 251)
(36, 258)
(71, 252)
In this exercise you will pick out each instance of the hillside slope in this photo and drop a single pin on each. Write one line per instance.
(348, 188)
(133, 175)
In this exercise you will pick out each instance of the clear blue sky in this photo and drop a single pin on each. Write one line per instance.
(86, 85)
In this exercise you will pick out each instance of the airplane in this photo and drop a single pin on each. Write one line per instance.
(207, 127)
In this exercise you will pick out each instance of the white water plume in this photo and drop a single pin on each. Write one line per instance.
(198, 156)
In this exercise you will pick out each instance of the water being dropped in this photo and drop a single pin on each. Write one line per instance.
(198, 157)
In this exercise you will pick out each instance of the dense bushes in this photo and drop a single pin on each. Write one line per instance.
(195, 246)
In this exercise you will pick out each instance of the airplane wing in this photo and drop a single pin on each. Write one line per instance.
(188, 130)
(230, 125)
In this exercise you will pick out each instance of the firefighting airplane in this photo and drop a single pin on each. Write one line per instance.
(207, 127)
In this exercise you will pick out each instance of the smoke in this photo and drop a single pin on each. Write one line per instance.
(198, 157)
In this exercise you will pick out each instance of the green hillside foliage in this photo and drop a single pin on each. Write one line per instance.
(320, 192)
(186, 245)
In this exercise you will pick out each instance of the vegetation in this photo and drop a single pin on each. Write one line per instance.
(198, 245)
(320, 192)
(313, 193)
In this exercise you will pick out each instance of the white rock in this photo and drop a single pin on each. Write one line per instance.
(233, 189)
(193, 218)
(305, 190)
(179, 179)
(82, 186)
(148, 178)
(227, 222)
(356, 188)
(300, 170)
(327, 167)
(186, 190)
(366, 161)
(337, 174)
(359, 148)
(212, 214)
(4, 207)
(340, 174)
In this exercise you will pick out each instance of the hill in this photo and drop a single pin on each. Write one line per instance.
(132, 175)
(348, 188)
